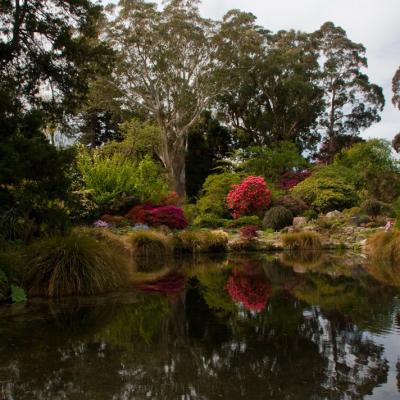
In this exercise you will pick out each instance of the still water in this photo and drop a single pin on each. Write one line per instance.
(316, 326)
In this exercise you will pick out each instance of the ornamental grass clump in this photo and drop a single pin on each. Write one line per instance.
(150, 245)
(385, 247)
(277, 218)
(200, 242)
(302, 241)
(77, 264)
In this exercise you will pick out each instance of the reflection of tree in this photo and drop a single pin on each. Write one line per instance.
(304, 345)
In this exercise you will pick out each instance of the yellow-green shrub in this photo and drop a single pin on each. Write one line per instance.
(200, 241)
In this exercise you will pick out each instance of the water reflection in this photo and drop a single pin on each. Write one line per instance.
(257, 328)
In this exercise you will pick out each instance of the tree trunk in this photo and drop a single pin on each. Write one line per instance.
(173, 156)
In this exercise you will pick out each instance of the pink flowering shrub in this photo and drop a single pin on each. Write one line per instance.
(170, 216)
(290, 179)
(251, 197)
(247, 285)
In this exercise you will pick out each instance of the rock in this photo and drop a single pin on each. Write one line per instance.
(299, 221)
(334, 214)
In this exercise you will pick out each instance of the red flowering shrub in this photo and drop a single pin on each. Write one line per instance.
(250, 197)
(290, 179)
(249, 232)
(170, 216)
(248, 286)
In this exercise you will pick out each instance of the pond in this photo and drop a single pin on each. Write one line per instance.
(309, 326)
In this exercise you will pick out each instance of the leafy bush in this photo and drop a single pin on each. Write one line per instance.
(273, 161)
(329, 188)
(295, 205)
(200, 242)
(208, 221)
(77, 264)
(170, 216)
(114, 176)
(150, 245)
(14, 226)
(212, 200)
(376, 169)
(277, 218)
(302, 241)
(250, 197)
(190, 211)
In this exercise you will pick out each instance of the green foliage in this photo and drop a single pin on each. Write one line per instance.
(243, 221)
(271, 86)
(190, 211)
(377, 171)
(116, 176)
(209, 221)
(277, 218)
(272, 161)
(329, 188)
(140, 139)
(77, 264)
(200, 242)
(18, 294)
(212, 200)
(302, 241)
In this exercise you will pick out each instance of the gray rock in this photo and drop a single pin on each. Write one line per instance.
(299, 221)
(334, 214)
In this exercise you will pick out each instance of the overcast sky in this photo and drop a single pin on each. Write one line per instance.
(374, 23)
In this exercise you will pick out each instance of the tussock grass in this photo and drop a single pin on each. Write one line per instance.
(150, 245)
(77, 264)
(192, 242)
(385, 247)
(302, 241)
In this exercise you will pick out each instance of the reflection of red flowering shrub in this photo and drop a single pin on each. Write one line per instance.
(249, 232)
(171, 283)
(290, 179)
(248, 286)
(170, 216)
(249, 197)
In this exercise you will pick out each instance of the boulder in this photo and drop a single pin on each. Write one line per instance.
(299, 221)
(334, 215)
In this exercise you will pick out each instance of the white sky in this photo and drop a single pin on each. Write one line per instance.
(374, 23)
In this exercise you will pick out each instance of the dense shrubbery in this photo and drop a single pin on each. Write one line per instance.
(277, 218)
(250, 197)
(329, 188)
(115, 176)
(208, 221)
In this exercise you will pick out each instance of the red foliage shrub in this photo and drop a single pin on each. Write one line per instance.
(250, 197)
(249, 232)
(290, 179)
(170, 216)
(247, 285)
